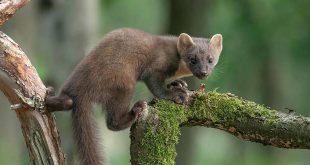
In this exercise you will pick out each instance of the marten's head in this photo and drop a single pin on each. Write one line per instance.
(200, 54)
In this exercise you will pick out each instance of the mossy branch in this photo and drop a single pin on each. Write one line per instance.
(153, 138)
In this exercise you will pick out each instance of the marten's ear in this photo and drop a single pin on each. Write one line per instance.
(216, 43)
(185, 41)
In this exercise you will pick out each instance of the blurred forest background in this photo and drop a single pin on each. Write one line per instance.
(266, 58)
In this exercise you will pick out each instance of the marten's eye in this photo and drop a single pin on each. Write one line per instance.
(193, 60)
(210, 60)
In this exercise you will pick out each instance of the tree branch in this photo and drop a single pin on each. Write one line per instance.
(21, 84)
(153, 138)
(9, 7)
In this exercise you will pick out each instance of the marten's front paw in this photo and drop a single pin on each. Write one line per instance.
(139, 107)
(177, 84)
(180, 95)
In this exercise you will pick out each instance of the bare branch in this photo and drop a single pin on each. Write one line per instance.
(20, 82)
(9, 7)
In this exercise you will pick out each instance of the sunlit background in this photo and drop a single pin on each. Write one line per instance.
(266, 58)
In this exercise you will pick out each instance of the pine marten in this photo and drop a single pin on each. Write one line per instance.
(109, 73)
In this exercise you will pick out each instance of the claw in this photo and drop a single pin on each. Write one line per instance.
(177, 84)
(181, 96)
(139, 107)
(50, 91)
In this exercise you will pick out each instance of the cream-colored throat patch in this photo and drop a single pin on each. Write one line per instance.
(183, 71)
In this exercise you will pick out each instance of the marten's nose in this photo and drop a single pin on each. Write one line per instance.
(204, 73)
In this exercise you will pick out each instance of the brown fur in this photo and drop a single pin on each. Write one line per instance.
(108, 76)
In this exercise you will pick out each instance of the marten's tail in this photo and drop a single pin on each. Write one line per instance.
(84, 132)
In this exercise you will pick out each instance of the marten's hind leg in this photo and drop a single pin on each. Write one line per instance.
(119, 116)
(57, 103)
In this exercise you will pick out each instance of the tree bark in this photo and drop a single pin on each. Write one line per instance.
(20, 82)
(153, 137)
(9, 7)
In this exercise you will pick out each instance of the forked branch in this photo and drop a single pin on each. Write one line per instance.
(20, 82)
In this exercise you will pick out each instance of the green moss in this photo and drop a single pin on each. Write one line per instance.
(161, 136)
(222, 107)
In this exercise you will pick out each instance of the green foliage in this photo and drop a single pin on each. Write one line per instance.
(145, 15)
